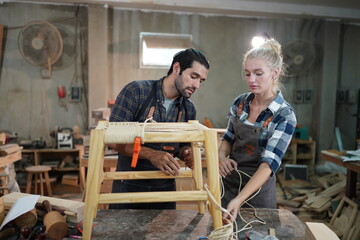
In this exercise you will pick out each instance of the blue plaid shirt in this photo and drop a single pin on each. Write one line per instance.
(276, 137)
(133, 96)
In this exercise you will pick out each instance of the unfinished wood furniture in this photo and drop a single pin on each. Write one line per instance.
(191, 132)
(353, 168)
(344, 217)
(40, 174)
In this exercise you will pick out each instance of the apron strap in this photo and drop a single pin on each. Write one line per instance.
(265, 123)
(140, 112)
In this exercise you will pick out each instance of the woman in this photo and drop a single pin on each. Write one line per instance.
(258, 133)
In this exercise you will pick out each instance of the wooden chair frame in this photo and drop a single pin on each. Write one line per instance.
(96, 174)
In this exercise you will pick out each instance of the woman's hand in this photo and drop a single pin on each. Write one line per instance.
(233, 208)
(226, 166)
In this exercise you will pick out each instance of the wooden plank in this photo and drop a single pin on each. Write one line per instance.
(189, 136)
(10, 159)
(144, 197)
(319, 231)
(9, 148)
(93, 183)
(320, 202)
(333, 190)
(197, 172)
(354, 231)
(73, 207)
(1, 42)
(345, 215)
(2, 135)
(211, 153)
(145, 175)
(335, 157)
(109, 162)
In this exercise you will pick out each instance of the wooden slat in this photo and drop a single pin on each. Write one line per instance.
(1, 41)
(211, 154)
(319, 231)
(108, 162)
(144, 175)
(147, 197)
(10, 158)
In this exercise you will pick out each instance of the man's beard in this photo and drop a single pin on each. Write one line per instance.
(182, 91)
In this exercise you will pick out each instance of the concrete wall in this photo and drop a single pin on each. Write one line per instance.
(29, 104)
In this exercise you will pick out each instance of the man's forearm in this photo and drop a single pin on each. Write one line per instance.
(128, 149)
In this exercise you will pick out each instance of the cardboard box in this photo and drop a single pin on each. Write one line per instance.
(296, 171)
(70, 179)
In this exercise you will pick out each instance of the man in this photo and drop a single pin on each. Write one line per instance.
(164, 100)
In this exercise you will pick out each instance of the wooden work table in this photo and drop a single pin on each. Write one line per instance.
(352, 169)
(186, 224)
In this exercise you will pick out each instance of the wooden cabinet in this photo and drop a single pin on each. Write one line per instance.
(301, 152)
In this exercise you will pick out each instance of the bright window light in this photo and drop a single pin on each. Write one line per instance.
(257, 41)
(158, 49)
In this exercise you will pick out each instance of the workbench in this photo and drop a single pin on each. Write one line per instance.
(186, 224)
(352, 169)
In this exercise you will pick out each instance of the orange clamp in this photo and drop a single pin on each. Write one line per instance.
(137, 147)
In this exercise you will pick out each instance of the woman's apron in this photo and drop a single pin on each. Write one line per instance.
(246, 152)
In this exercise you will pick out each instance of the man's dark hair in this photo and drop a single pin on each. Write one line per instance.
(186, 59)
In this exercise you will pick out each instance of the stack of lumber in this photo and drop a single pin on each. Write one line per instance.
(314, 197)
(324, 200)
(9, 149)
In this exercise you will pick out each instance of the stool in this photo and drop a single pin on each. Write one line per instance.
(125, 132)
(42, 172)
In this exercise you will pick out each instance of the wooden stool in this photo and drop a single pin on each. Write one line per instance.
(42, 172)
(191, 132)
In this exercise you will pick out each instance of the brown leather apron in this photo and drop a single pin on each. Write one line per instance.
(245, 151)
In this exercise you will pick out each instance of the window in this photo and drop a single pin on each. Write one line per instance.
(158, 49)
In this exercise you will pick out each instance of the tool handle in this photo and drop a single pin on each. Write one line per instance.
(4, 234)
(46, 204)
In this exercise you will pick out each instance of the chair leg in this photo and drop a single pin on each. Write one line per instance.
(48, 184)
(28, 185)
(93, 184)
(41, 184)
(213, 175)
(197, 173)
(36, 183)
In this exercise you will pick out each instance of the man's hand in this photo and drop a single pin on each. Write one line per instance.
(165, 162)
(187, 156)
(226, 166)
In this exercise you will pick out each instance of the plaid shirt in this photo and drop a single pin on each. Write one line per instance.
(275, 138)
(133, 96)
